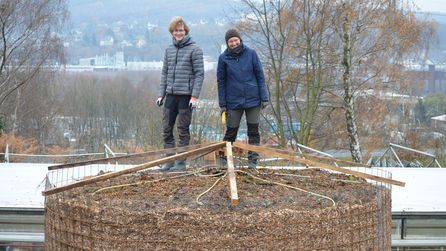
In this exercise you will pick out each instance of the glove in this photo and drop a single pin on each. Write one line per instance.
(160, 101)
(264, 104)
(193, 102)
(223, 115)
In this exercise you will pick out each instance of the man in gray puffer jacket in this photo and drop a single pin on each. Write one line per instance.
(181, 81)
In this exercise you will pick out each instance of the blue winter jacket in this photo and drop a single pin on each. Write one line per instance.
(241, 82)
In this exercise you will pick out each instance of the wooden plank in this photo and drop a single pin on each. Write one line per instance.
(290, 156)
(231, 174)
(203, 155)
(104, 160)
(322, 158)
(107, 176)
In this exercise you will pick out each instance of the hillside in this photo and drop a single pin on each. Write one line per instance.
(131, 21)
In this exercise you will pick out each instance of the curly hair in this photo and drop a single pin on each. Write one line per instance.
(177, 20)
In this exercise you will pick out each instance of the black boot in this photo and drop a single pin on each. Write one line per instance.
(222, 160)
(180, 165)
(253, 139)
(231, 134)
(252, 159)
(167, 166)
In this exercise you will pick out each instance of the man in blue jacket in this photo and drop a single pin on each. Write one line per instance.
(241, 89)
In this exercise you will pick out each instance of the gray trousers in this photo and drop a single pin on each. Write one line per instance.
(233, 118)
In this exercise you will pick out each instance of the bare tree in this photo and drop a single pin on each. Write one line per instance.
(293, 37)
(115, 108)
(375, 38)
(33, 117)
(312, 38)
(29, 41)
(269, 25)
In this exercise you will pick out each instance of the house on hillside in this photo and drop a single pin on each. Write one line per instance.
(429, 76)
(435, 81)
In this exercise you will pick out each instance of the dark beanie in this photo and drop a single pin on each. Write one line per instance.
(232, 33)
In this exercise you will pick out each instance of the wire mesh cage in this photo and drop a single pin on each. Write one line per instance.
(282, 206)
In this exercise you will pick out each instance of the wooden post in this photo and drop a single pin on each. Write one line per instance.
(231, 175)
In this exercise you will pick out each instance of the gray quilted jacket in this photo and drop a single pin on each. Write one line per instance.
(183, 69)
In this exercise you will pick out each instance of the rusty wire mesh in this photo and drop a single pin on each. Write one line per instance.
(127, 221)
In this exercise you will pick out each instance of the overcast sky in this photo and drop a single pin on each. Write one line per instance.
(431, 5)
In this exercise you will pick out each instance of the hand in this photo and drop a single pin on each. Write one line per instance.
(160, 101)
(264, 104)
(222, 109)
(193, 102)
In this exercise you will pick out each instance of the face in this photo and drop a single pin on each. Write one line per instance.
(179, 32)
(233, 42)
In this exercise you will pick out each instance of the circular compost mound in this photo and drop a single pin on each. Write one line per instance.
(193, 211)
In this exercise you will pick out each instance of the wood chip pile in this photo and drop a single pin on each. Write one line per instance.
(147, 214)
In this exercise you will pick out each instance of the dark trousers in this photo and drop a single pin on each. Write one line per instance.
(176, 106)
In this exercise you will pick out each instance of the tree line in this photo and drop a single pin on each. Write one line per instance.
(329, 67)
(322, 56)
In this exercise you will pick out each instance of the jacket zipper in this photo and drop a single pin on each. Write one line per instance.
(175, 69)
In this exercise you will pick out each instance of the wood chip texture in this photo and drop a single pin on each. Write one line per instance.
(164, 215)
